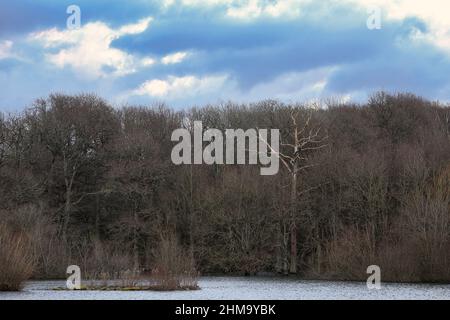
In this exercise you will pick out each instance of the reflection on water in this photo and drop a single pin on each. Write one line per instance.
(255, 288)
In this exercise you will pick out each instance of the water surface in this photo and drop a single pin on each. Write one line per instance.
(236, 288)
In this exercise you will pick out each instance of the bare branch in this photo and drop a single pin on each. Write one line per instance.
(280, 156)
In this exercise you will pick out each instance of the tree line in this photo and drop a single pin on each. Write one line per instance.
(359, 184)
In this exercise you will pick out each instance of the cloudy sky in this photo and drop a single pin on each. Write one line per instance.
(193, 52)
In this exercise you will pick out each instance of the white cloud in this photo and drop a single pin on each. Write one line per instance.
(177, 87)
(155, 88)
(88, 49)
(205, 2)
(251, 9)
(284, 7)
(167, 3)
(435, 13)
(135, 28)
(292, 86)
(146, 62)
(174, 58)
(6, 49)
(247, 9)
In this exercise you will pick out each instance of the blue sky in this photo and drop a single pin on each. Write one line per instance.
(194, 52)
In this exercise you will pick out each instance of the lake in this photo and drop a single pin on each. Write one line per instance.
(241, 288)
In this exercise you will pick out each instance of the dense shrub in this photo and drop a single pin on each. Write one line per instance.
(173, 268)
(16, 258)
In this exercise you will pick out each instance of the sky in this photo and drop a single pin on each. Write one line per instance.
(196, 52)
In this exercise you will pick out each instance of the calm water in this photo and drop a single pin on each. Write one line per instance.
(233, 288)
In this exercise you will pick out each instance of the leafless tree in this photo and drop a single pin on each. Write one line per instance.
(302, 139)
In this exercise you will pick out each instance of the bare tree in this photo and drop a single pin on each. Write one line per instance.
(303, 138)
(73, 130)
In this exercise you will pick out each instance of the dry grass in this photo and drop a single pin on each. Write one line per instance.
(174, 269)
(16, 258)
(347, 257)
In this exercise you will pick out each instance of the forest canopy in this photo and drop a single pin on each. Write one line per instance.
(95, 186)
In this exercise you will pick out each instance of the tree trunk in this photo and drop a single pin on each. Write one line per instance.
(279, 249)
(293, 265)
(97, 216)
(192, 211)
(67, 209)
(135, 242)
(285, 249)
(68, 181)
(319, 258)
(293, 226)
